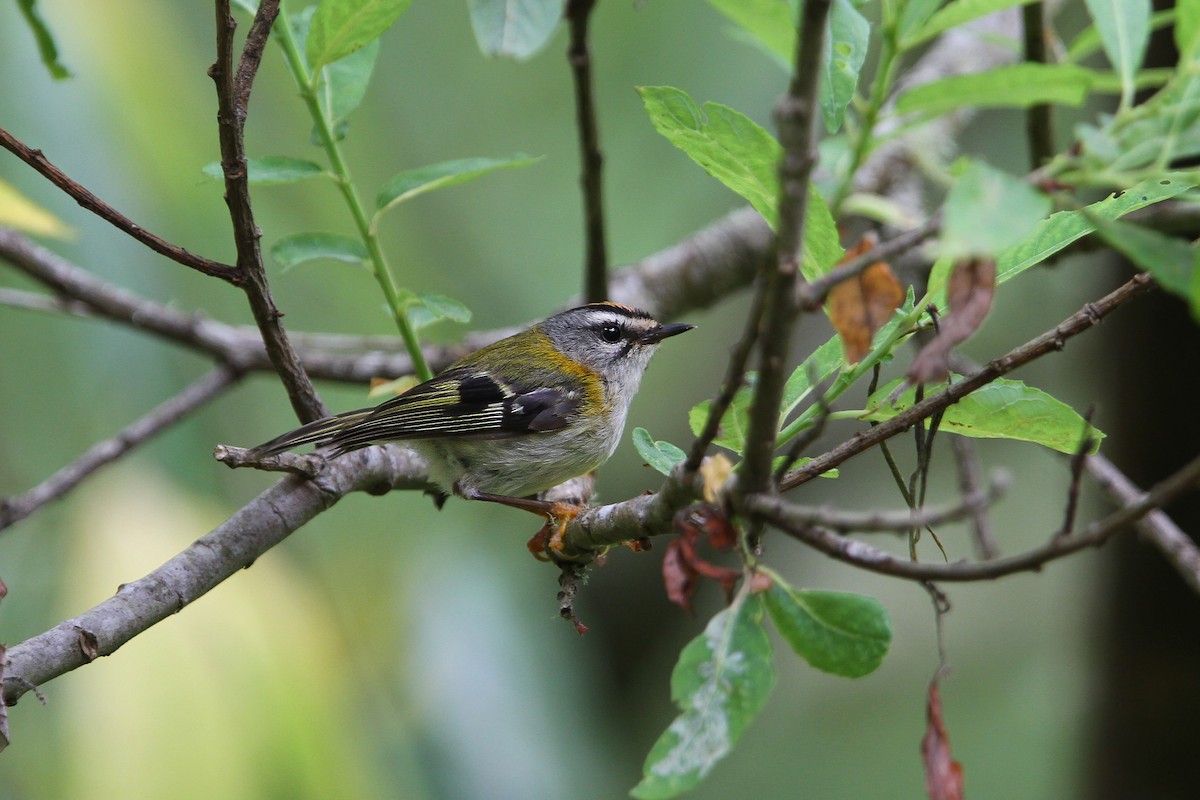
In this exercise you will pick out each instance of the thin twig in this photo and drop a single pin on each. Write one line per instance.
(234, 545)
(18, 507)
(796, 114)
(1039, 130)
(252, 51)
(871, 558)
(1179, 549)
(91, 202)
(735, 372)
(698, 272)
(791, 515)
(1086, 442)
(1054, 339)
(969, 479)
(595, 281)
(232, 97)
(811, 294)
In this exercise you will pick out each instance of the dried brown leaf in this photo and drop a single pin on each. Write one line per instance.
(859, 306)
(943, 775)
(969, 292)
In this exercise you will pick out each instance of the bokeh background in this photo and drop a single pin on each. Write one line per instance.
(389, 650)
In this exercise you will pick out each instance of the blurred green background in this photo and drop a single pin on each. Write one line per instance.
(388, 650)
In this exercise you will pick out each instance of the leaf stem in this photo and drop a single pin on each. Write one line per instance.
(345, 182)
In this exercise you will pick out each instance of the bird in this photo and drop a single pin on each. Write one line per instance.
(516, 417)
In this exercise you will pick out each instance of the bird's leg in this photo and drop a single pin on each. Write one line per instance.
(558, 516)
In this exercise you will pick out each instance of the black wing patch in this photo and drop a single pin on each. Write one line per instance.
(460, 403)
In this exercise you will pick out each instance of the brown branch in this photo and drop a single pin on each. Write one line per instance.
(1039, 130)
(797, 115)
(1050, 341)
(703, 269)
(91, 202)
(252, 51)
(871, 558)
(969, 480)
(234, 545)
(233, 94)
(595, 281)
(1156, 527)
(17, 507)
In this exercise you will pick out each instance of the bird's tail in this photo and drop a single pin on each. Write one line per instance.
(320, 433)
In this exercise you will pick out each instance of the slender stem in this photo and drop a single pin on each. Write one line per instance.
(1054, 339)
(233, 93)
(595, 283)
(17, 507)
(797, 114)
(36, 159)
(1039, 130)
(383, 276)
(885, 75)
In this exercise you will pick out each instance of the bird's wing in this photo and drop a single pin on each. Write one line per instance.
(463, 402)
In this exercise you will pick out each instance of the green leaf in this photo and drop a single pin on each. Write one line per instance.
(836, 632)
(1003, 409)
(845, 50)
(270, 169)
(47, 49)
(410, 183)
(734, 425)
(913, 15)
(1171, 260)
(1124, 27)
(955, 14)
(339, 27)
(771, 22)
(742, 155)
(988, 210)
(248, 6)
(514, 28)
(1061, 229)
(1187, 27)
(820, 364)
(425, 308)
(662, 456)
(1017, 85)
(1088, 40)
(720, 684)
(725, 143)
(300, 247)
(341, 86)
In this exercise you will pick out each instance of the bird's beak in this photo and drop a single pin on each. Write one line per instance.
(656, 335)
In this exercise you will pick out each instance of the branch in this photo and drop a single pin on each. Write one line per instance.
(696, 273)
(18, 507)
(871, 558)
(797, 115)
(1039, 130)
(233, 94)
(91, 202)
(595, 283)
(789, 515)
(1179, 548)
(1050, 341)
(235, 545)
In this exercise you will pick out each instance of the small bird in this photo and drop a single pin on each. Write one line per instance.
(516, 417)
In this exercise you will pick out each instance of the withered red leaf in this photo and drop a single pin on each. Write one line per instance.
(943, 775)
(859, 306)
(679, 576)
(969, 292)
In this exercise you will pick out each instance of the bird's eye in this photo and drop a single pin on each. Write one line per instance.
(610, 332)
